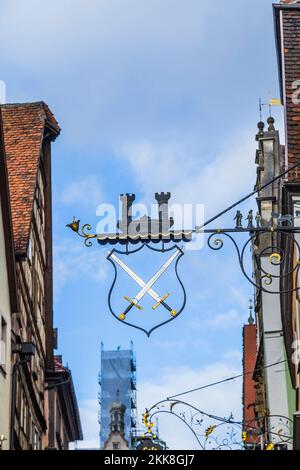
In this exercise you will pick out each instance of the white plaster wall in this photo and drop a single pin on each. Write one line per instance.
(5, 381)
(274, 349)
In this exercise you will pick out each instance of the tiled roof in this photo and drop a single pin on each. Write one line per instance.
(23, 128)
(7, 225)
(71, 400)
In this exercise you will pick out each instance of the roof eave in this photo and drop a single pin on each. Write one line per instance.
(277, 8)
(79, 436)
(276, 12)
(8, 228)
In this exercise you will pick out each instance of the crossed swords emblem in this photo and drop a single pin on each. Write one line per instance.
(146, 286)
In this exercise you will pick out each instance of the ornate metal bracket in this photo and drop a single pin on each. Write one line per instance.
(265, 279)
(217, 433)
(75, 226)
(275, 254)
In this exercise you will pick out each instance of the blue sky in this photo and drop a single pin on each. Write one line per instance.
(157, 95)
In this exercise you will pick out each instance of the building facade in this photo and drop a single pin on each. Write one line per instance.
(118, 374)
(287, 31)
(62, 414)
(275, 395)
(28, 132)
(276, 371)
(8, 298)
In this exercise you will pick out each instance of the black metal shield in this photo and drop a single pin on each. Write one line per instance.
(167, 293)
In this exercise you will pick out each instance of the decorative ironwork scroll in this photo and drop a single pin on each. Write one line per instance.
(83, 232)
(276, 268)
(217, 433)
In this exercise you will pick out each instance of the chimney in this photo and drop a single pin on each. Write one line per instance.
(249, 392)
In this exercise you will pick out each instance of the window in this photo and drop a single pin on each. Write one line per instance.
(32, 432)
(29, 251)
(116, 445)
(24, 414)
(26, 410)
(22, 410)
(3, 342)
(58, 418)
(36, 440)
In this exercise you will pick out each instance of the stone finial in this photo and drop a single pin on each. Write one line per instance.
(271, 122)
(261, 126)
(250, 319)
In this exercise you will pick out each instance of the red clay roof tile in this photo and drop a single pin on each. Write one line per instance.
(23, 127)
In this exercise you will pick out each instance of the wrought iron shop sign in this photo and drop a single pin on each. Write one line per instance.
(272, 272)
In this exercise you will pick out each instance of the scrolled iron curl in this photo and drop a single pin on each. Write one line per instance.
(231, 442)
(277, 258)
(232, 431)
(87, 236)
(218, 242)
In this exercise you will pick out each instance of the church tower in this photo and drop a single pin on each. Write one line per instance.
(116, 439)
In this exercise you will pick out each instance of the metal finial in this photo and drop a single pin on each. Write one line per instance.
(250, 319)
(74, 225)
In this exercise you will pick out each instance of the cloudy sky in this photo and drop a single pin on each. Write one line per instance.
(151, 95)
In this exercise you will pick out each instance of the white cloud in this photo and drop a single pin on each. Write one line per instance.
(191, 177)
(123, 69)
(85, 191)
(88, 410)
(225, 320)
(2, 92)
(240, 296)
(219, 400)
(72, 261)
(233, 355)
(97, 26)
(220, 321)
